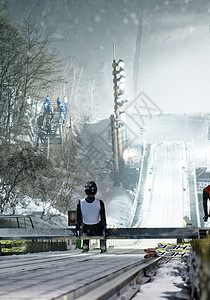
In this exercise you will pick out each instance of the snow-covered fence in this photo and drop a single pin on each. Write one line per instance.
(141, 183)
(194, 207)
(24, 246)
(200, 269)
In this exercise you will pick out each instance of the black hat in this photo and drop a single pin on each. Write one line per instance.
(90, 188)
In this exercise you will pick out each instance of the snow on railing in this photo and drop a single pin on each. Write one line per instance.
(146, 203)
(192, 180)
(195, 189)
(137, 195)
(185, 183)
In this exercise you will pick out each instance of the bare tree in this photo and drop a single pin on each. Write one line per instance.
(21, 170)
(10, 44)
(40, 67)
(73, 72)
(27, 70)
(27, 67)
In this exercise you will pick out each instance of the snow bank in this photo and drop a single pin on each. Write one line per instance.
(171, 282)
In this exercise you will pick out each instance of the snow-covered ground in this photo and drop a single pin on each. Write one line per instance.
(171, 282)
(118, 207)
(163, 193)
(35, 207)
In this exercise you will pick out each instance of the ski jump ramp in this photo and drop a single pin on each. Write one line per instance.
(166, 190)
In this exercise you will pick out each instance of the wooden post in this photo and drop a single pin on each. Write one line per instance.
(72, 217)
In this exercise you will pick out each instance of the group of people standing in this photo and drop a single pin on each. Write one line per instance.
(48, 114)
(44, 120)
(62, 106)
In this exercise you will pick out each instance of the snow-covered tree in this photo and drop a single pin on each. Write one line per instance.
(27, 68)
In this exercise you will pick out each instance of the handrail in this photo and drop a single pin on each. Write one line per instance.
(112, 233)
(138, 189)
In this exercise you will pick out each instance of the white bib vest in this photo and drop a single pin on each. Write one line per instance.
(90, 211)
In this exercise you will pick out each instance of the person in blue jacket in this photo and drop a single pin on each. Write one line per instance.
(62, 108)
(65, 103)
(91, 216)
(47, 103)
(58, 102)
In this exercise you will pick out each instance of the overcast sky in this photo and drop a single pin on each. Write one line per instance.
(176, 71)
(169, 59)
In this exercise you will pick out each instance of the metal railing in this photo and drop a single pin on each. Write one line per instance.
(112, 233)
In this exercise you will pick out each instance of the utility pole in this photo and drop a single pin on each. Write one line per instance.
(115, 152)
(119, 88)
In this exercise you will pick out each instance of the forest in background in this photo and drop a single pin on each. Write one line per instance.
(29, 70)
